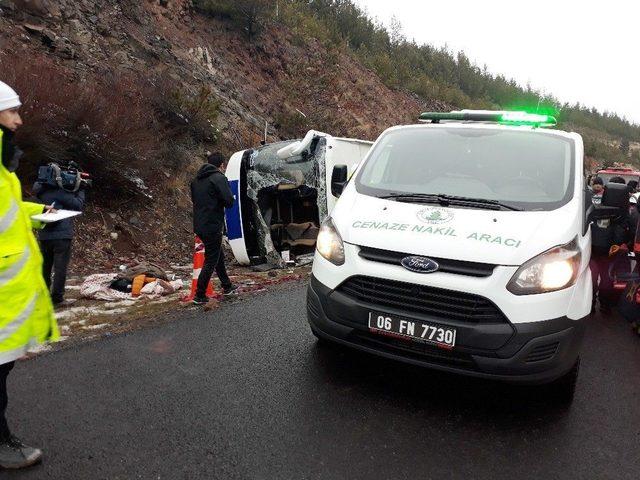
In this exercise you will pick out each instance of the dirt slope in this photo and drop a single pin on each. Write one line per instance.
(270, 79)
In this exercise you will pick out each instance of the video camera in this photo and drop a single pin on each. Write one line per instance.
(67, 177)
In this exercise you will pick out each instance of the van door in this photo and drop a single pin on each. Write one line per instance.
(342, 151)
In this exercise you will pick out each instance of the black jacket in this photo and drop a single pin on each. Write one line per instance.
(614, 231)
(47, 194)
(210, 194)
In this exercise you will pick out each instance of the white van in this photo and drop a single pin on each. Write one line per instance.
(461, 244)
(283, 196)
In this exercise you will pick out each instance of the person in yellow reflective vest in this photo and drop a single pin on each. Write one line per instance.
(26, 312)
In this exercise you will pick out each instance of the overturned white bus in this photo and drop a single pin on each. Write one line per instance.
(283, 194)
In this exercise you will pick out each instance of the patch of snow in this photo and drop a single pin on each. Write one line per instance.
(121, 303)
(72, 313)
(97, 326)
(40, 348)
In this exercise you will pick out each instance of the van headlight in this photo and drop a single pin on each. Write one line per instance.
(329, 243)
(552, 270)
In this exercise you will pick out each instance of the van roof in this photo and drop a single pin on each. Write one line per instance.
(353, 140)
(488, 126)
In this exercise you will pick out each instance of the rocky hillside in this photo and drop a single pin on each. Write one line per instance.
(277, 79)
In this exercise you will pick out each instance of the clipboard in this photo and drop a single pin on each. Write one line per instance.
(55, 217)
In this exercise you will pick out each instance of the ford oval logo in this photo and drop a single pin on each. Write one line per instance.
(420, 264)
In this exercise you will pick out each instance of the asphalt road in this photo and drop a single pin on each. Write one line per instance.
(245, 392)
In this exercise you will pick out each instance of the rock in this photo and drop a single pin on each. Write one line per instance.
(69, 12)
(66, 51)
(77, 33)
(7, 5)
(40, 8)
(114, 236)
(121, 57)
(135, 221)
(103, 30)
(31, 28)
(48, 37)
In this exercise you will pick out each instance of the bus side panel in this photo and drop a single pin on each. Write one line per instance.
(233, 216)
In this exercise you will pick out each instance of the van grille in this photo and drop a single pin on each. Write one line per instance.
(436, 302)
(459, 267)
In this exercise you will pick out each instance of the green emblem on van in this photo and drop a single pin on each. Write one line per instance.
(435, 215)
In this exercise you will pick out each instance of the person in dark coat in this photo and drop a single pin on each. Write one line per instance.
(56, 238)
(211, 194)
(605, 233)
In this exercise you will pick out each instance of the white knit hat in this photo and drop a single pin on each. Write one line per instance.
(8, 97)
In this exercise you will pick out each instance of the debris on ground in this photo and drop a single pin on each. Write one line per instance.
(144, 278)
(92, 309)
(97, 287)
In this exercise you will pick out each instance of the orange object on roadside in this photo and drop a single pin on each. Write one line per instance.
(198, 263)
(136, 286)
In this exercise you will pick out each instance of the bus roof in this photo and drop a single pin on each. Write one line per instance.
(619, 171)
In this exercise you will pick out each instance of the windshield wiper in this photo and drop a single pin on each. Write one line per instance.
(408, 197)
(484, 201)
(446, 200)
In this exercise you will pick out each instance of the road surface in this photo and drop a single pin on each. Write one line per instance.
(244, 392)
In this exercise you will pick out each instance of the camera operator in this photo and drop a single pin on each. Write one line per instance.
(56, 238)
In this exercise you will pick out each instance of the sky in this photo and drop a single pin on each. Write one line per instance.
(579, 51)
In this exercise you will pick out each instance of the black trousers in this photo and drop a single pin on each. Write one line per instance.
(5, 368)
(602, 282)
(57, 254)
(213, 260)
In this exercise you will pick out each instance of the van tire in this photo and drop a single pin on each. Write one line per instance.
(564, 388)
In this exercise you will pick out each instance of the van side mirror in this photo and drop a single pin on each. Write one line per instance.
(615, 195)
(339, 178)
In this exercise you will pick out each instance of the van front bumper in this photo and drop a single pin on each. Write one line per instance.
(526, 353)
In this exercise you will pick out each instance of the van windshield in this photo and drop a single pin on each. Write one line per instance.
(524, 169)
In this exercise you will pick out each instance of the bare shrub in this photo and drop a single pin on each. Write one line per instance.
(107, 127)
(187, 114)
(291, 124)
(249, 15)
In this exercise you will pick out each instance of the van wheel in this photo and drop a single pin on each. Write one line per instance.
(564, 388)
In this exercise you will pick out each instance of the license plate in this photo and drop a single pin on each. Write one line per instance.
(418, 331)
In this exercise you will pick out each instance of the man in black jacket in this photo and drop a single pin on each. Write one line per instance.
(605, 233)
(56, 238)
(211, 194)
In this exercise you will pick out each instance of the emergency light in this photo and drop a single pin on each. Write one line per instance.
(493, 116)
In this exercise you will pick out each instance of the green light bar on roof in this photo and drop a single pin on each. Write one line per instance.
(502, 117)
(524, 118)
